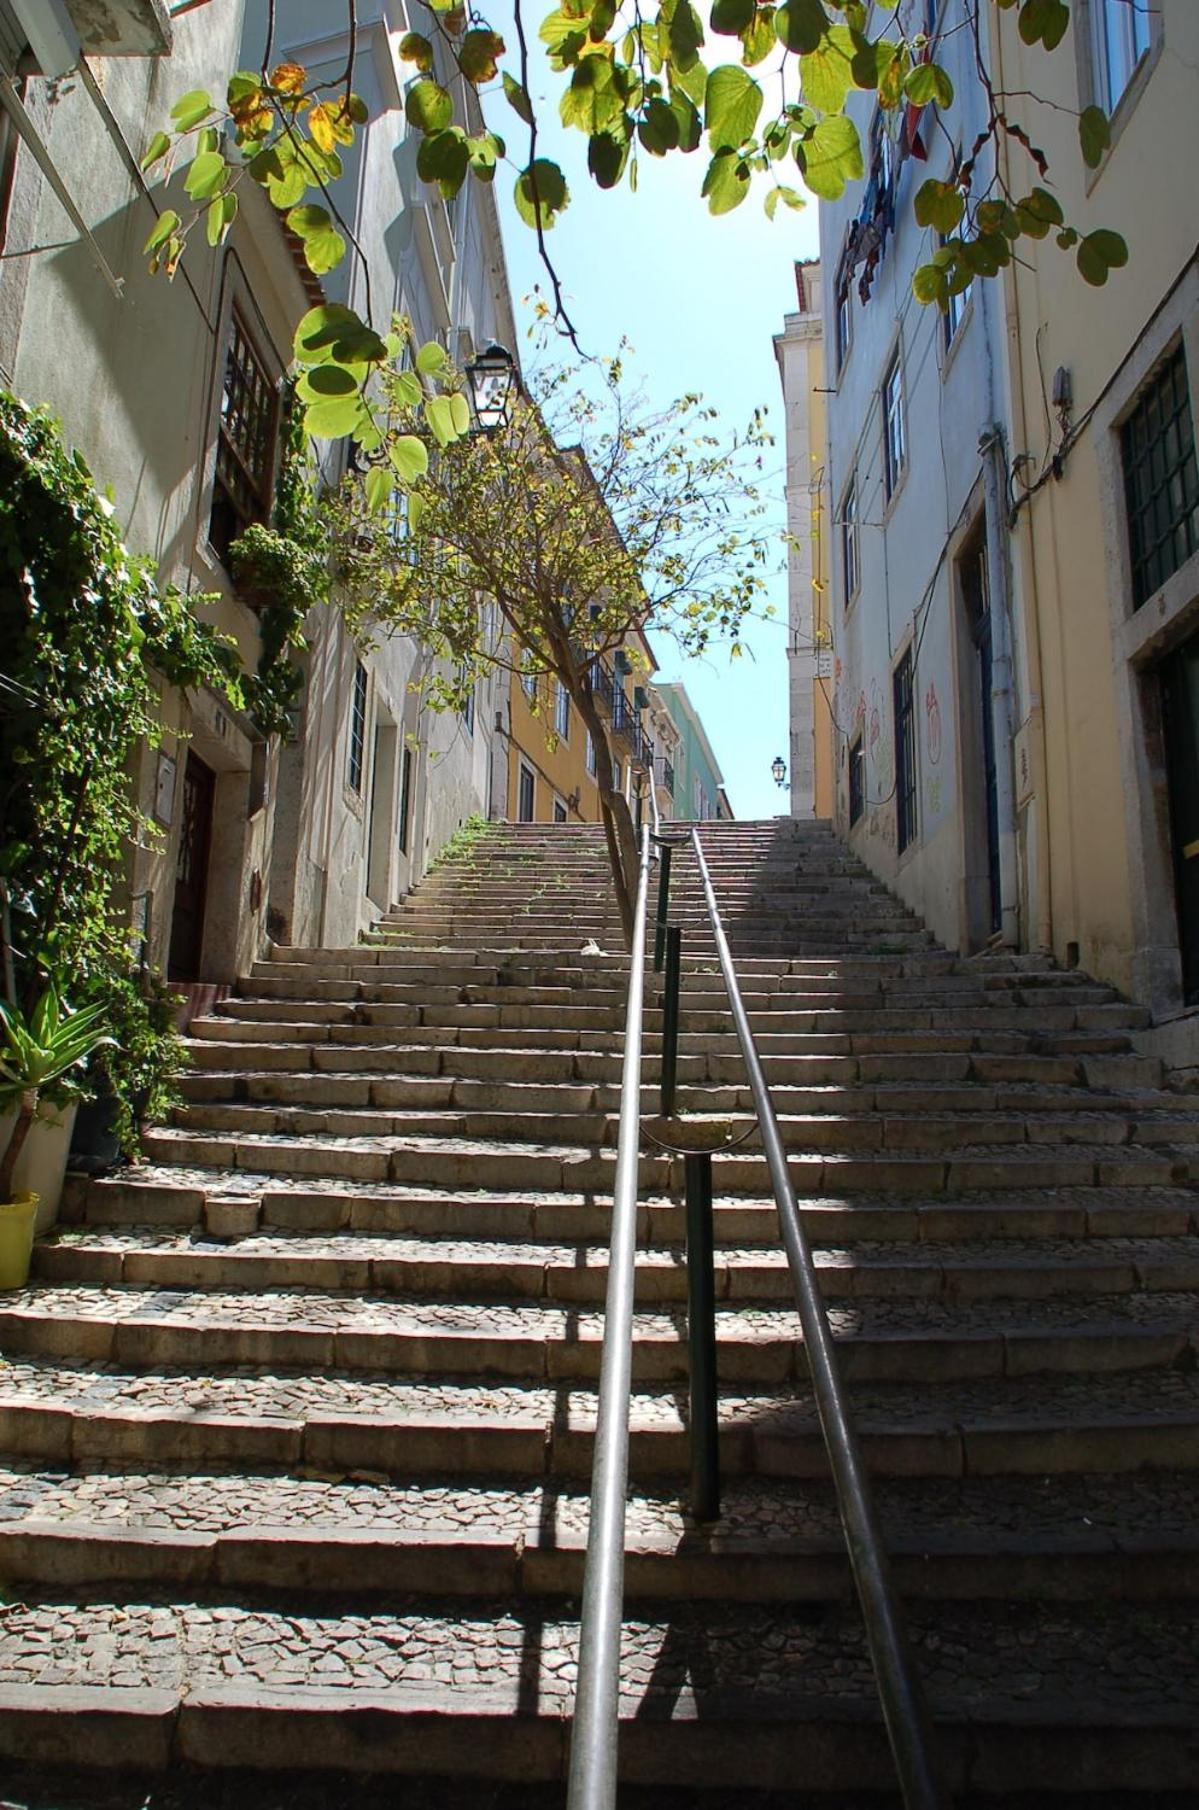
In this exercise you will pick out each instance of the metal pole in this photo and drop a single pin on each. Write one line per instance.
(670, 1020)
(592, 1783)
(900, 1692)
(701, 1339)
(664, 854)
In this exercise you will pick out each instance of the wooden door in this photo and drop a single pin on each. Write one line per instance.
(191, 871)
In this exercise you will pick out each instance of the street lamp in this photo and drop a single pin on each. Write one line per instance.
(491, 376)
(778, 768)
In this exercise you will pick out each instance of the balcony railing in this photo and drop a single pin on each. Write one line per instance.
(664, 774)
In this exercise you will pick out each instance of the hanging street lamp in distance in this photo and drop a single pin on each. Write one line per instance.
(492, 378)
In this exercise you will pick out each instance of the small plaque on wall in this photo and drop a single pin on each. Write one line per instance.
(164, 791)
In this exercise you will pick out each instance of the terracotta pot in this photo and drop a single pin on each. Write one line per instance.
(17, 1219)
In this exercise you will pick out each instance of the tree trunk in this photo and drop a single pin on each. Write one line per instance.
(623, 856)
(26, 1113)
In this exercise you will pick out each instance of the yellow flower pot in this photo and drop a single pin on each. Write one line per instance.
(17, 1219)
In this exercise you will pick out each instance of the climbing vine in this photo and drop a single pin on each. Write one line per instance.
(88, 639)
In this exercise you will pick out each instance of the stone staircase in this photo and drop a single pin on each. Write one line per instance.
(296, 1422)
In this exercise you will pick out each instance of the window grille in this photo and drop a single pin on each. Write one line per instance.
(562, 712)
(1161, 479)
(526, 794)
(245, 451)
(857, 781)
(405, 799)
(894, 429)
(357, 728)
(905, 754)
(849, 538)
(592, 762)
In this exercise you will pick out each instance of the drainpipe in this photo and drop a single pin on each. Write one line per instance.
(994, 457)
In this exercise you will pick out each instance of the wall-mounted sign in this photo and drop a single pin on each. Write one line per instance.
(164, 790)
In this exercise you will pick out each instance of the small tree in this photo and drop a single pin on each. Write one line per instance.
(644, 523)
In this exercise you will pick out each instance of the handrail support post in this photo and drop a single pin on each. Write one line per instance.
(670, 1020)
(664, 853)
(701, 1338)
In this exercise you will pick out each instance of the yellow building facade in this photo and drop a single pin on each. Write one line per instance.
(550, 766)
(1104, 498)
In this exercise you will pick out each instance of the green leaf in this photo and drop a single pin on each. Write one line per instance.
(1094, 135)
(1038, 212)
(378, 486)
(206, 176)
(440, 418)
(601, 20)
(325, 381)
(564, 35)
(430, 107)
(683, 36)
(190, 109)
(732, 103)
(780, 192)
(333, 419)
(478, 55)
(1100, 252)
(431, 359)
(606, 158)
(541, 194)
(731, 17)
(1046, 20)
(407, 390)
(831, 157)
(158, 147)
(444, 158)
(592, 102)
(415, 48)
(517, 98)
(164, 226)
(416, 508)
(460, 413)
(658, 128)
(485, 152)
(930, 284)
(691, 127)
(726, 182)
(801, 24)
(758, 40)
(410, 459)
(221, 214)
(940, 205)
(928, 82)
(827, 71)
(324, 247)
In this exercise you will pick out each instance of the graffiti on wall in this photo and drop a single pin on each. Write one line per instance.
(932, 710)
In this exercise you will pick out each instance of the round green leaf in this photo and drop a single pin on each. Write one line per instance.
(1094, 135)
(440, 418)
(206, 176)
(928, 82)
(517, 98)
(732, 103)
(414, 48)
(658, 128)
(541, 194)
(606, 158)
(332, 419)
(429, 107)
(378, 487)
(726, 182)
(460, 413)
(939, 204)
(831, 157)
(164, 226)
(800, 25)
(1100, 252)
(731, 17)
(158, 147)
(325, 381)
(409, 457)
(190, 109)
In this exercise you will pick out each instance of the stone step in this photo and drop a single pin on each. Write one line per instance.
(528, 1269)
(479, 1162)
(235, 1205)
(776, 1540)
(62, 1414)
(734, 1696)
(878, 1340)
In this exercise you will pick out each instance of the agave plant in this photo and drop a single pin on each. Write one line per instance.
(35, 1052)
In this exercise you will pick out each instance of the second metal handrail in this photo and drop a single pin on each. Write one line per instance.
(900, 1692)
(592, 1781)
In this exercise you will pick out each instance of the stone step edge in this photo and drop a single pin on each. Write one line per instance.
(943, 1445)
(318, 1558)
(741, 1743)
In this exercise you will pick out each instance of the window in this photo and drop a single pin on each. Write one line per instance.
(1120, 31)
(850, 560)
(528, 679)
(1161, 479)
(882, 155)
(844, 317)
(952, 318)
(468, 711)
(559, 811)
(895, 448)
(905, 753)
(526, 794)
(357, 728)
(245, 448)
(562, 712)
(617, 776)
(857, 781)
(592, 763)
(405, 799)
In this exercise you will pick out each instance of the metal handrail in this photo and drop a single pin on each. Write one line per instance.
(592, 1783)
(905, 1713)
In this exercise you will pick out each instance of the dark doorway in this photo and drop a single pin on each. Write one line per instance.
(976, 594)
(1180, 721)
(191, 872)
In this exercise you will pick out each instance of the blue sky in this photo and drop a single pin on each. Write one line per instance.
(699, 298)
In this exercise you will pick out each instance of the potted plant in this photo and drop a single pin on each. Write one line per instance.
(36, 1052)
